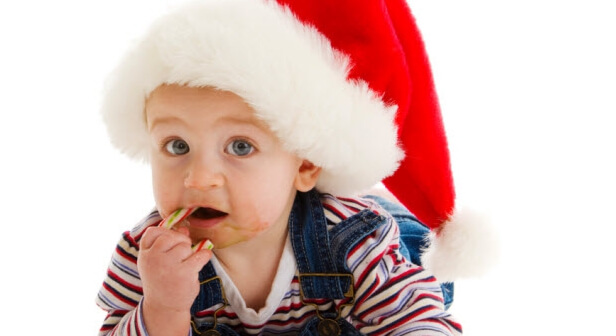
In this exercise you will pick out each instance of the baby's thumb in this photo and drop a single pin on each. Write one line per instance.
(182, 229)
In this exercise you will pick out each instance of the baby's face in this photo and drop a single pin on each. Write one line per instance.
(209, 151)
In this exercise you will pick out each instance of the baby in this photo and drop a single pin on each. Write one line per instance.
(265, 118)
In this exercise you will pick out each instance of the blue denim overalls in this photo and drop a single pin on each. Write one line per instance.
(321, 260)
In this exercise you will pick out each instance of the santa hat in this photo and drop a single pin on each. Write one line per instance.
(345, 84)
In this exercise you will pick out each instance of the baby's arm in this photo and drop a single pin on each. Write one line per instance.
(121, 292)
(152, 279)
(394, 296)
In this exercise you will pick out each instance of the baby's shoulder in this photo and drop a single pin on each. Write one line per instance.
(362, 216)
(338, 209)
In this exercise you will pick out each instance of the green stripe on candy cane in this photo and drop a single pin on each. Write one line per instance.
(203, 244)
(176, 217)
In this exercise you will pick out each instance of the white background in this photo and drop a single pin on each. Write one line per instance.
(528, 95)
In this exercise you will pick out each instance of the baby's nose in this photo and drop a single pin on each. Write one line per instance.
(204, 175)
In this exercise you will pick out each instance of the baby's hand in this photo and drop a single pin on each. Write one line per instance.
(169, 272)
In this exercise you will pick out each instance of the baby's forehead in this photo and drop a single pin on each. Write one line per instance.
(170, 101)
(175, 93)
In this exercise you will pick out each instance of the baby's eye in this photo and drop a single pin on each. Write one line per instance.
(239, 148)
(177, 147)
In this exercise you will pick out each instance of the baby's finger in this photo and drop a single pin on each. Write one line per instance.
(182, 230)
(180, 252)
(165, 240)
(198, 259)
(150, 235)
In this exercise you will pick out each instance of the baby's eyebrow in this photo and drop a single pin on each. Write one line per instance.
(163, 120)
(252, 121)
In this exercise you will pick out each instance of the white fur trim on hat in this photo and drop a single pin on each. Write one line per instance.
(467, 246)
(287, 71)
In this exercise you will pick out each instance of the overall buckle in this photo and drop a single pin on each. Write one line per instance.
(328, 326)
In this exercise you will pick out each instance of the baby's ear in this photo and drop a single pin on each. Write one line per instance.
(307, 176)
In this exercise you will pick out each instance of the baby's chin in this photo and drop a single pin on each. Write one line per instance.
(223, 237)
(229, 242)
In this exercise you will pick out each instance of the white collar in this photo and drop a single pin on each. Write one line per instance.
(287, 267)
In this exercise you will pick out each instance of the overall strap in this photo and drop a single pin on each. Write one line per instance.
(211, 294)
(321, 254)
(321, 259)
(211, 291)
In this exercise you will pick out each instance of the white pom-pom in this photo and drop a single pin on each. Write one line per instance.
(466, 246)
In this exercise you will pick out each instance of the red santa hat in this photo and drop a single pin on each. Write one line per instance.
(345, 84)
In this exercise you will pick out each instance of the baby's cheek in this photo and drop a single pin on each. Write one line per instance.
(260, 227)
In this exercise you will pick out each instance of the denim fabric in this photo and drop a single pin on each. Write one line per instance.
(321, 256)
(222, 330)
(413, 240)
(210, 293)
(312, 328)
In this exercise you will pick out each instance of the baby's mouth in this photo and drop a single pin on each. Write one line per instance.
(207, 213)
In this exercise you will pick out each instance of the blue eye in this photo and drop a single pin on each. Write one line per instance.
(177, 147)
(239, 148)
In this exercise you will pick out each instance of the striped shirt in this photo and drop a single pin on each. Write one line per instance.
(392, 295)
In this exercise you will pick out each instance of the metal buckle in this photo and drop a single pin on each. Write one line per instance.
(349, 294)
(213, 331)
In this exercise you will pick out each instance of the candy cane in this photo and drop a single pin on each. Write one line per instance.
(178, 216)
